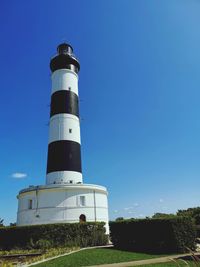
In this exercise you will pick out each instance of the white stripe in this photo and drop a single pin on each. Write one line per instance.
(64, 79)
(61, 177)
(65, 127)
(64, 115)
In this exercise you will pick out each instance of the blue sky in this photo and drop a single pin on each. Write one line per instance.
(139, 98)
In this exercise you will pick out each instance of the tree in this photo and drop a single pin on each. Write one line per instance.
(191, 212)
(119, 219)
(160, 215)
(1, 222)
(13, 224)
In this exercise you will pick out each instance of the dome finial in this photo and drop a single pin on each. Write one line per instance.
(64, 48)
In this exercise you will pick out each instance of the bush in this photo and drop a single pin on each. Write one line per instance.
(53, 235)
(191, 212)
(166, 235)
(198, 230)
(41, 244)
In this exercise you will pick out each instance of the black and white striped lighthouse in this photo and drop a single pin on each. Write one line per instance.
(64, 198)
(64, 147)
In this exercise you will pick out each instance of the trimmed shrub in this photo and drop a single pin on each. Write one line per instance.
(166, 235)
(55, 235)
(43, 244)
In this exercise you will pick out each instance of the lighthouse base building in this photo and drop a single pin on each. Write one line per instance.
(62, 204)
(64, 198)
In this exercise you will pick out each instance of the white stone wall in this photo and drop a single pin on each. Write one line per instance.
(62, 204)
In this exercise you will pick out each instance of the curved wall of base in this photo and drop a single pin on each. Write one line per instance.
(62, 204)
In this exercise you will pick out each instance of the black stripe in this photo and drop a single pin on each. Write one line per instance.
(64, 156)
(65, 61)
(64, 101)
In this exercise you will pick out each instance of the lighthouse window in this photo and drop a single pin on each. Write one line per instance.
(30, 204)
(82, 200)
(70, 130)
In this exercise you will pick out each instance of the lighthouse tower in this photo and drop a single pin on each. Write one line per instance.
(64, 197)
(64, 150)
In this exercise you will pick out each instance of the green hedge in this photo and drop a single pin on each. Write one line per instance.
(154, 235)
(73, 234)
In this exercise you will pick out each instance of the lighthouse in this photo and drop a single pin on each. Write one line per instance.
(64, 198)
(64, 149)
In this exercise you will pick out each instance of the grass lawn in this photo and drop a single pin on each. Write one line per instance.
(95, 257)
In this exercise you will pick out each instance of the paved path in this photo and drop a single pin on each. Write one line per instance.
(142, 262)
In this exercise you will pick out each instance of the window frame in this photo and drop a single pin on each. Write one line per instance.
(30, 204)
(82, 201)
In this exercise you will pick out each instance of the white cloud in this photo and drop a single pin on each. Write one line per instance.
(161, 200)
(115, 211)
(19, 175)
(136, 205)
(128, 208)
